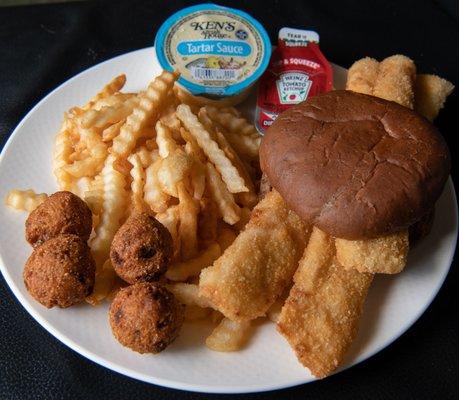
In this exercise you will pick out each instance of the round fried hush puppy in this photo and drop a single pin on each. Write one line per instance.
(141, 249)
(146, 317)
(60, 272)
(62, 212)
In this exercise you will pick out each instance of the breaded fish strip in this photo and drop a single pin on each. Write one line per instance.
(384, 255)
(362, 75)
(431, 92)
(395, 80)
(252, 273)
(321, 315)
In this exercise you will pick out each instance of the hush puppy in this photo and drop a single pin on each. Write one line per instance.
(60, 272)
(141, 249)
(62, 212)
(146, 317)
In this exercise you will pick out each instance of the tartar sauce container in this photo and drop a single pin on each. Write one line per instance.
(220, 52)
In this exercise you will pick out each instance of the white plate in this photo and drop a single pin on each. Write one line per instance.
(393, 305)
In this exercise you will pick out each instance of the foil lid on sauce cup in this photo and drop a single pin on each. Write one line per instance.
(297, 70)
(219, 51)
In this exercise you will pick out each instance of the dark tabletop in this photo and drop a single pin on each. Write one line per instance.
(42, 46)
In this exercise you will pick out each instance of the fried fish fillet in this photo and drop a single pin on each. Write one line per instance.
(384, 254)
(362, 75)
(252, 273)
(321, 315)
(395, 80)
(430, 95)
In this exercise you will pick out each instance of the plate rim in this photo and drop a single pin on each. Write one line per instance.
(173, 384)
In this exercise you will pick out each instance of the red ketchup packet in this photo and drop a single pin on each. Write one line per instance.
(297, 70)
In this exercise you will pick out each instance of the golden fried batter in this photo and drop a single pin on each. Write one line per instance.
(247, 279)
(431, 92)
(362, 75)
(395, 80)
(384, 254)
(321, 315)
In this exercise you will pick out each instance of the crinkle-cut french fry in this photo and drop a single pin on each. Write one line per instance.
(81, 186)
(321, 315)
(188, 294)
(112, 131)
(228, 171)
(248, 198)
(138, 183)
(246, 146)
(228, 336)
(225, 236)
(62, 150)
(108, 115)
(207, 221)
(383, 255)
(395, 80)
(183, 270)
(229, 210)
(253, 272)
(431, 92)
(171, 219)
(98, 151)
(147, 157)
(105, 280)
(154, 196)
(94, 196)
(166, 143)
(232, 123)
(174, 168)
(110, 101)
(188, 228)
(192, 146)
(231, 110)
(111, 88)
(123, 166)
(115, 198)
(24, 200)
(149, 105)
(169, 119)
(361, 77)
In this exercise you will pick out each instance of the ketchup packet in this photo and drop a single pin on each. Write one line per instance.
(297, 70)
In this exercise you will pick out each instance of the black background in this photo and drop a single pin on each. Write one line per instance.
(42, 46)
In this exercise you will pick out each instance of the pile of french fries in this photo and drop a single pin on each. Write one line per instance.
(194, 166)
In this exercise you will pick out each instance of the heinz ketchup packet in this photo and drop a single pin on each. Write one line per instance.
(297, 70)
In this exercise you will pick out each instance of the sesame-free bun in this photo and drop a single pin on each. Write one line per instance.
(354, 165)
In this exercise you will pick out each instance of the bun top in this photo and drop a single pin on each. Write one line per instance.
(356, 166)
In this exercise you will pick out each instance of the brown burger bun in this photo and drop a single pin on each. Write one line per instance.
(354, 165)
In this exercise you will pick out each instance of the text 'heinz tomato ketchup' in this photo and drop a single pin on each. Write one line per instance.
(297, 70)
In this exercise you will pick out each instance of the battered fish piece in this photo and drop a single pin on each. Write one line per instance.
(321, 315)
(431, 92)
(395, 80)
(362, 75)
(252, 273)
(384, 255)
